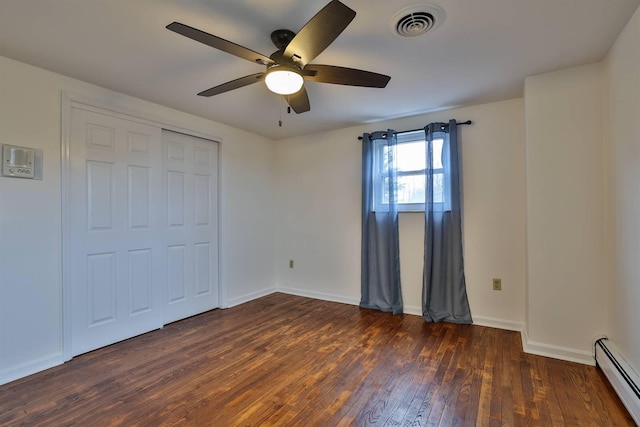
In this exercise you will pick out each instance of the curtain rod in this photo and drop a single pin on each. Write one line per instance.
(468, 122)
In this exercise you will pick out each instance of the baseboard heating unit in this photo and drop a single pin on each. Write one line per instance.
(624, 380)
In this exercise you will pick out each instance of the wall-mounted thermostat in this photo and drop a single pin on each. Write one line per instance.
(21, 162)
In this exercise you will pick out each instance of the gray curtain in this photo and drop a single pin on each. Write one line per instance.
(444, 292)
(380, 274)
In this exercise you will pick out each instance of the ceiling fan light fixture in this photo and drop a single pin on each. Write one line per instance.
(283, 81)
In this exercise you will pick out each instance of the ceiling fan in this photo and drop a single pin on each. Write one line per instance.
(289, 66)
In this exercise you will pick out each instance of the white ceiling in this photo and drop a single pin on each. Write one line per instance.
(480, 53)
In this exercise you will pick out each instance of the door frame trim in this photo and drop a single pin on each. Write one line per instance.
(70, 100)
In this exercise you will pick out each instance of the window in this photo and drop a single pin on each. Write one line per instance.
(410, 162)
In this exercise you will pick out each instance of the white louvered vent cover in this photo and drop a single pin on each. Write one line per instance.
(416, 20)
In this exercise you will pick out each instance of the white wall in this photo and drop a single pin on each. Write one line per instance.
(565, 203)
(30, 212)
(319, 208)
(318, 186)
(622, 152)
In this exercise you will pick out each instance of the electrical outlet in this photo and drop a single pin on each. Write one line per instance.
(290, 263)
(497, 284)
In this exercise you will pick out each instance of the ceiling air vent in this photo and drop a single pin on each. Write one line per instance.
(416, 20)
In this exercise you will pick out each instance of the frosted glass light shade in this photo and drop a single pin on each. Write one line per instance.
(283, 82)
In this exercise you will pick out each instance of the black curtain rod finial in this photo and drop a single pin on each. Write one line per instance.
(468, 122)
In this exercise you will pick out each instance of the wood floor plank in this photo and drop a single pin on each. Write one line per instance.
(284, 360)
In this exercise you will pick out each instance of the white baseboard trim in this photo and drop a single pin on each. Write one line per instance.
(556, 352)
(412, 309)
(30, 368)
(524, 336)
(492, 322)
(232, 302)
(319, 295)
(539, 349)
(623, 378)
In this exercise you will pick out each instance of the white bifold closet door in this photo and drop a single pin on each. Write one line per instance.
(190, 183)
(143, 238)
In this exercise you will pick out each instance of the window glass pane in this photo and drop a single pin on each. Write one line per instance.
(385, 190)
(411, 156)
(385, 158)
(411, 189)
(438, 187)
(437, 153)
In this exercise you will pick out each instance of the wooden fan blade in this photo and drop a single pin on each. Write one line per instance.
(319, 33)
(345, 76)
(219, 43)
(233, 84)
(299, 101)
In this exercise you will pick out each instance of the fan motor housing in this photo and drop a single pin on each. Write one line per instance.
(281, 38)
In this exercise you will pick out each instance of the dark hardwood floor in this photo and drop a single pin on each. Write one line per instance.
(291, 361)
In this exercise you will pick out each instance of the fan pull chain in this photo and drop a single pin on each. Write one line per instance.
(280, 108)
